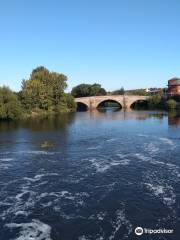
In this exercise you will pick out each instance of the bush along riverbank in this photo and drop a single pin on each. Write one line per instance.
(158, 102)
(41, 95)
(163, 103)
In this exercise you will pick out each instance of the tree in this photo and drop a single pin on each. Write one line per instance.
(66, 103)
(82, 90)
(171, 104)
(96, 90)
(155, 102)
(10, 107)
(85, 90)
(102, 92)
(43, 90)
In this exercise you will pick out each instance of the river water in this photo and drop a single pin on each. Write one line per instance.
(103, 175)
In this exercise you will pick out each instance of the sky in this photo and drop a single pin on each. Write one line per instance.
(129, 43)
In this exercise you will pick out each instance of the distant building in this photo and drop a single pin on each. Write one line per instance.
(174, 87)
(153, 90)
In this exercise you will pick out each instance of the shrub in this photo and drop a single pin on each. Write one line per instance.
(10, 107)
(155, 102)
(171, 104)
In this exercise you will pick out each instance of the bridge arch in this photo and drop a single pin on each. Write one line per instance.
(130, 100)
(109, 103)
(141, 104)
(81, 106)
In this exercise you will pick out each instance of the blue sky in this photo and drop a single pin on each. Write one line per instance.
(130, 43)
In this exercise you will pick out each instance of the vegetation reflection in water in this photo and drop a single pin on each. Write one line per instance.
(61, 121)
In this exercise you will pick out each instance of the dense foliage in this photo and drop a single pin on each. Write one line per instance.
(161, 102)
(85, 90)
(155, 102)
(171, 104)
(10, 107)
(41, 94)
(45, 90)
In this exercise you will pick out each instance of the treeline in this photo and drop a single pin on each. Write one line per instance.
(138, 92)
(44, 94)
(87, 90)
(41, 94)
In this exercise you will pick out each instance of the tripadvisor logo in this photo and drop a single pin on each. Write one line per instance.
(139, 231)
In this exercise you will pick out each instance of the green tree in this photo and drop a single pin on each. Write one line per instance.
(96, 90)
(85, 90)
(44, 90)
(155, 102)
(101, 92)
(66, 103)
(10, 107)
(81, 90)
(171, 104)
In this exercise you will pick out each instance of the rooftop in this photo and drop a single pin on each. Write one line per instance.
(174, 79)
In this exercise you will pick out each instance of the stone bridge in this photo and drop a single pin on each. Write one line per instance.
(125, 101)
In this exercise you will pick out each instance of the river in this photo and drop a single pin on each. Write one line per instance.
(103, 175)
